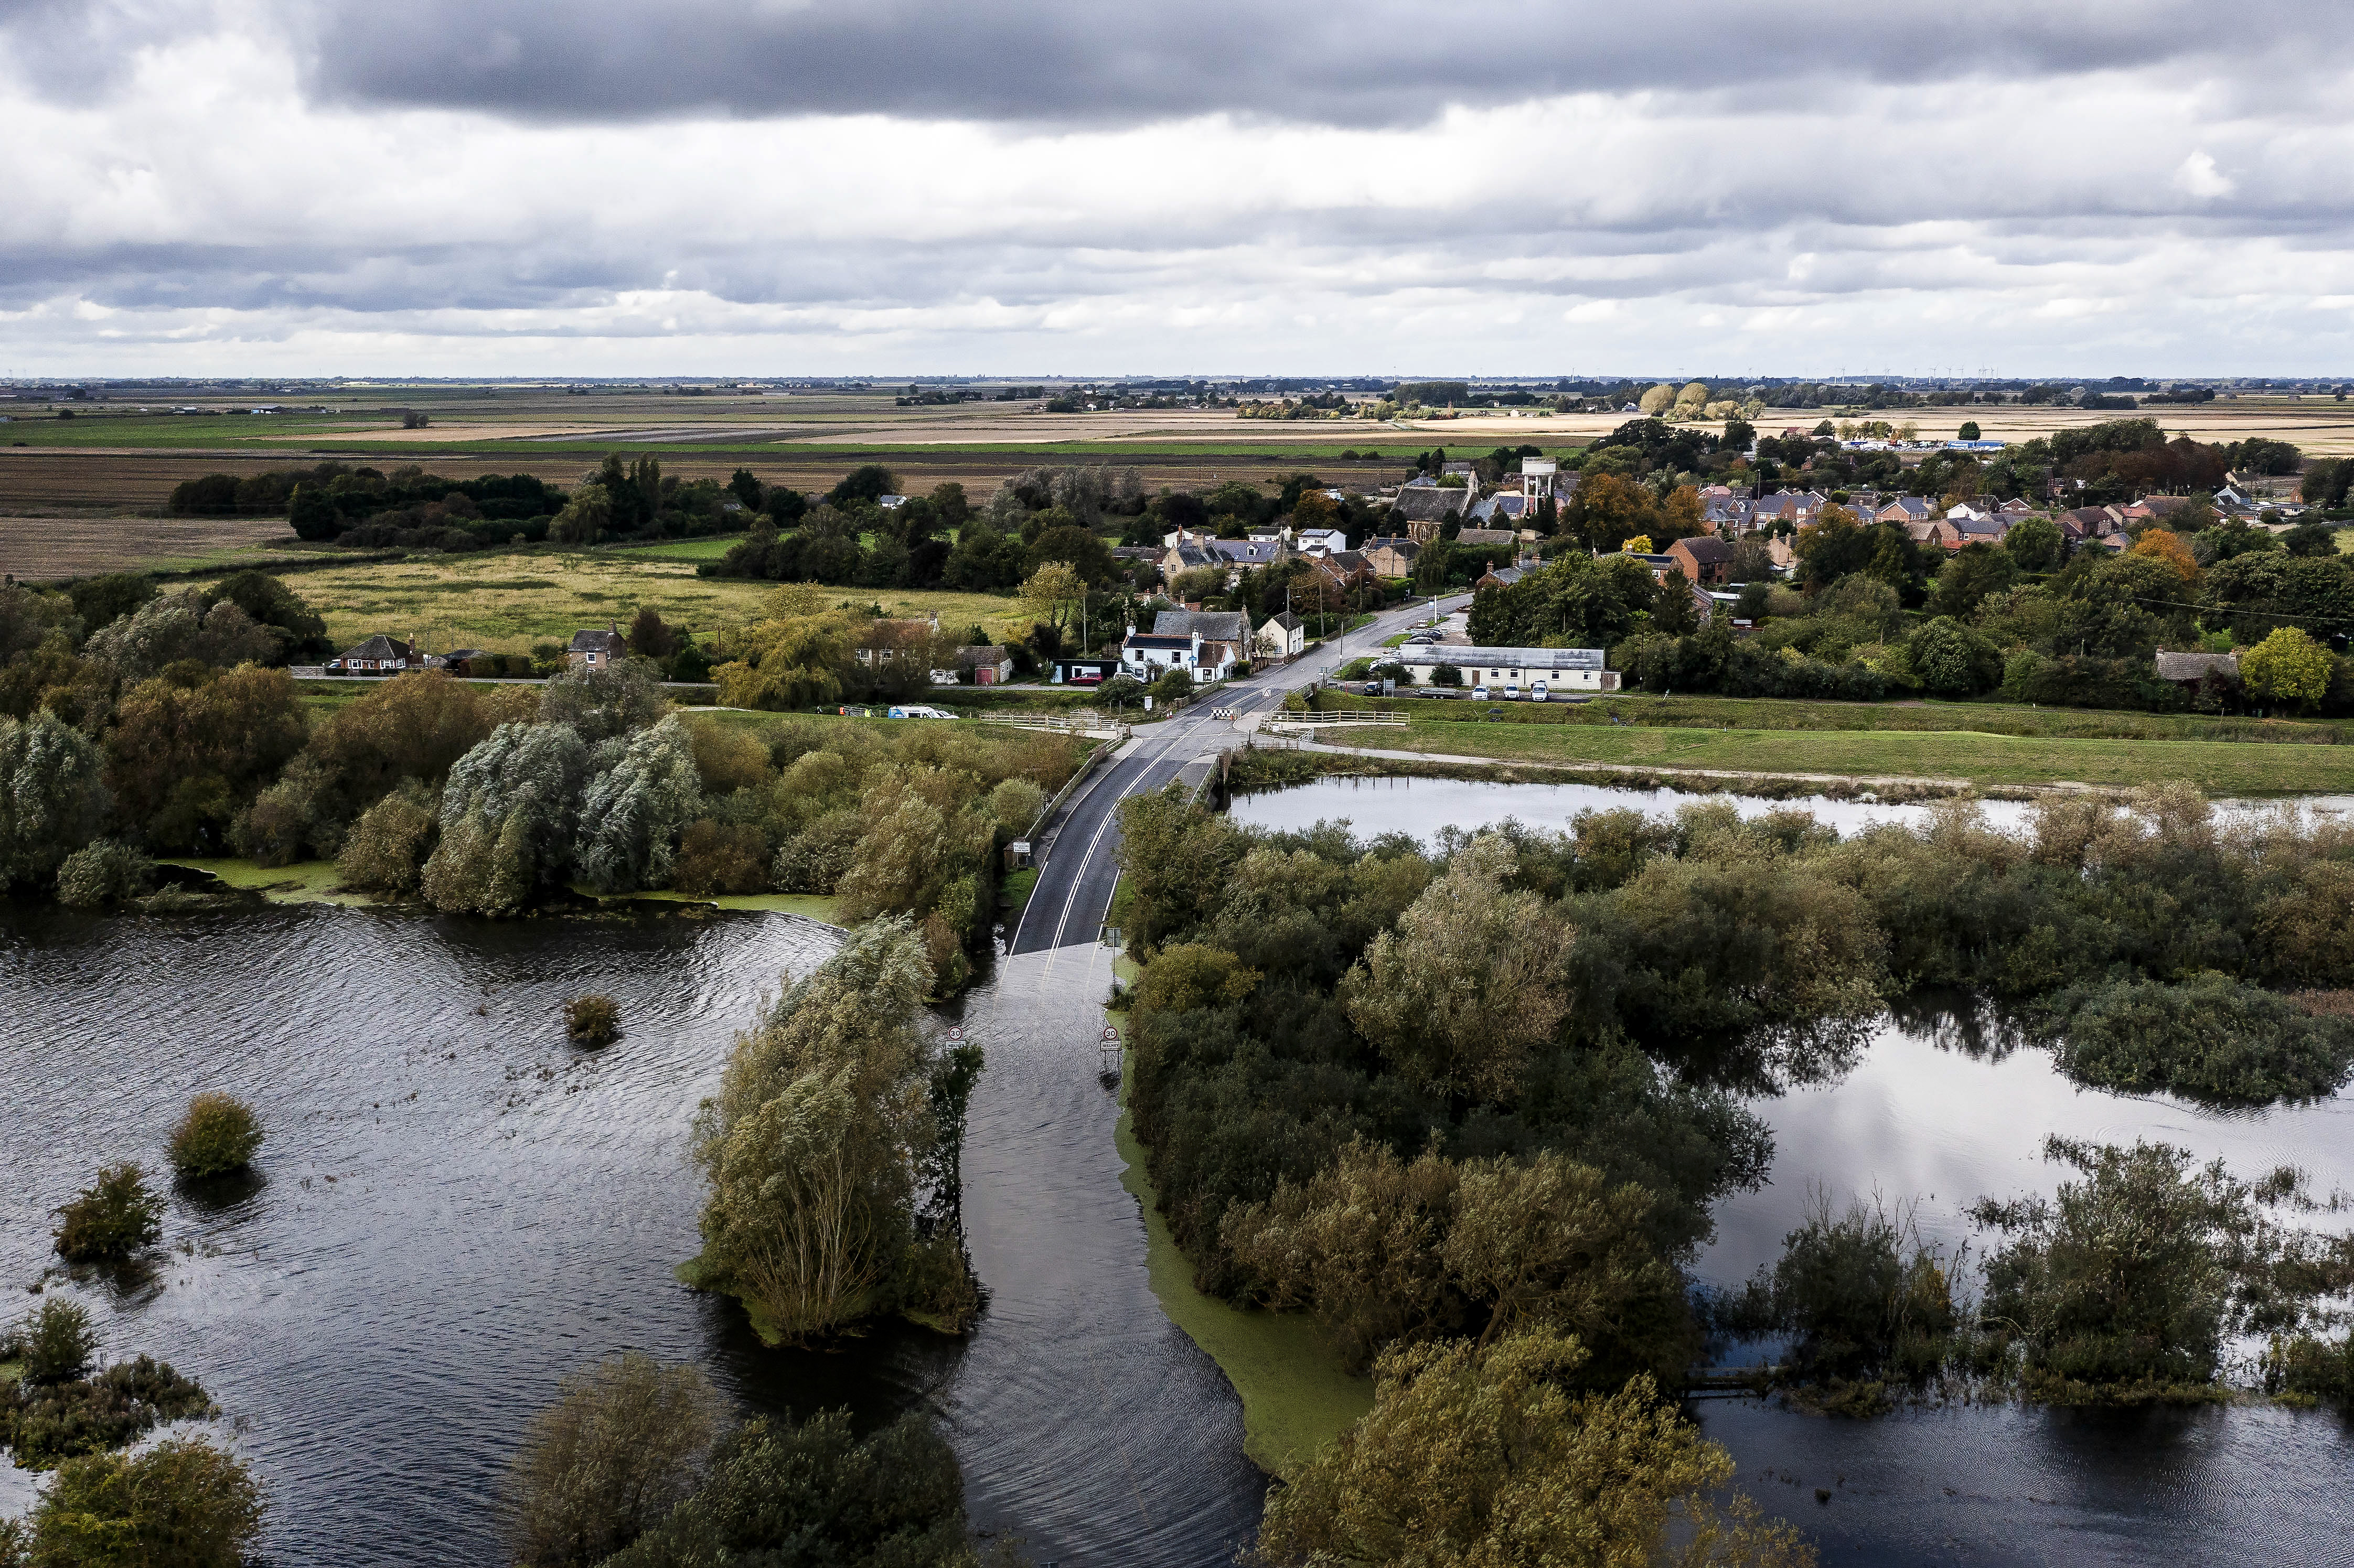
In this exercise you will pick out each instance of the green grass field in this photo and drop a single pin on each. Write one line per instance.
(2219, 768)
(710, 549)
(1773, 713)
(507, 600)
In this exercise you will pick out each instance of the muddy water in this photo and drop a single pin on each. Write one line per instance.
(455, 1209)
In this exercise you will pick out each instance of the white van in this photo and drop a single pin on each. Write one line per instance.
(917, 710)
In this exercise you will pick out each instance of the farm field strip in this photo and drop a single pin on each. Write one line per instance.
(508, 601)
(2219, 768)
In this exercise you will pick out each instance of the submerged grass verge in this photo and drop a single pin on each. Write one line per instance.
(1296, 1396)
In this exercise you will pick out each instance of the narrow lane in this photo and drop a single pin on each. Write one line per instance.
(1074, 892)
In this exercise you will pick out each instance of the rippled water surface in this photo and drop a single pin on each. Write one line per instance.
(455, 1209)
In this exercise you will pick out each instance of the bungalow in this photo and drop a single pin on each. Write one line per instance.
(593, 649)
(1086, 672)
(379, 655)
(1280, 636)
(1499, 576)
(1556, 669)
(2190, 669)
(1392, 556)
(1703, 559)
(1224, 634)
(1659, 565)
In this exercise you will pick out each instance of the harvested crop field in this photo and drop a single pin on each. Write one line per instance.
(44, 549)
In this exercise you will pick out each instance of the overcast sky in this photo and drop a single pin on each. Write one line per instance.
(1079, 187)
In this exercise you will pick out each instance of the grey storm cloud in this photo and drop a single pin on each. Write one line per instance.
(1358, 63)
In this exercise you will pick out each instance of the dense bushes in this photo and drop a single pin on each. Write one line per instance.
(182, 1502)
(615, 1454)
(1488, 1454)
(220, 1134)
(46, 1421)
(816, 1493)
(116, 1215)
(593, 1019)
(1863, 1299)
(2209, 1038)
(102, 873)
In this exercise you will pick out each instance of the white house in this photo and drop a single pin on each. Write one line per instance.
(1556, 669)
(1147, 655)
(1280, 636)
(1323, 540)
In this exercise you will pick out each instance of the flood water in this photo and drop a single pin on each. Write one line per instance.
(456, 1208)
(1937, 1115)
(1420, 807)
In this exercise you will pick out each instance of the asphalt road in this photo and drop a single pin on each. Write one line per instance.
(1075, 882)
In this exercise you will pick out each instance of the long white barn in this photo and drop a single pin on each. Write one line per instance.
(1559, 669)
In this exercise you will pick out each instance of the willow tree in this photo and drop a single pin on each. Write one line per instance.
(507, 819)
(635, 811)
(52, 797)
(814, 1144)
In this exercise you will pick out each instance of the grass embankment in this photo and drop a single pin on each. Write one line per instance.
(1296, 1396)
(507, 600)
(2218, 768)
(811, 906)
(304, 881)
(1773, 713)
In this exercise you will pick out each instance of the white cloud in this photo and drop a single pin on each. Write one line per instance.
(2198, 175)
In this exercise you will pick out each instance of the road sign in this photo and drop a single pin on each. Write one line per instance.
(1111, 1034)
(956, 1034)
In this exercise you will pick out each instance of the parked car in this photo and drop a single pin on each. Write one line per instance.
(1512, 692)
(1537, 693)
(919, 710)
(1479, 693)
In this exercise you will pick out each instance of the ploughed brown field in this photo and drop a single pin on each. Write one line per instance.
(42, 549)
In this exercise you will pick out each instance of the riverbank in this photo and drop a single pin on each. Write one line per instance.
(1296, 1396)
(1878, 759)
(319, 882)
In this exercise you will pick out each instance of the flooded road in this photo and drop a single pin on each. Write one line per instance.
(455, 1209)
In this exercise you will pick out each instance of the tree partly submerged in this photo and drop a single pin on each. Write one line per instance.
(817, 1147)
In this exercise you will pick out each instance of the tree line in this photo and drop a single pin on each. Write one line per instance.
(1472, 1109)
